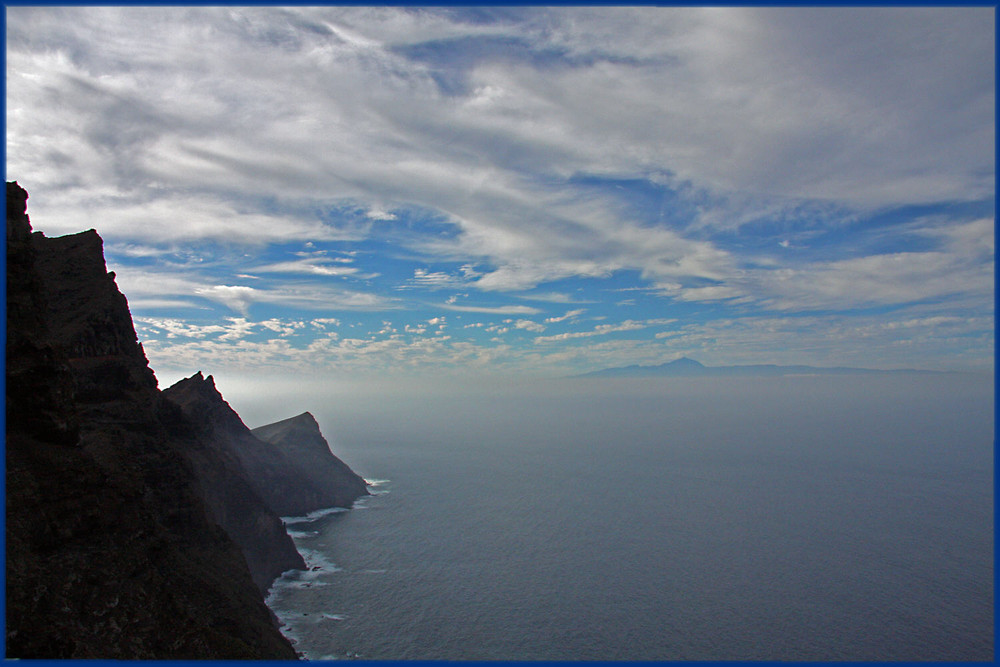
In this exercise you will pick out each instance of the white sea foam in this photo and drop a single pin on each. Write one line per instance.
(295, 624)
(312, 516)
(285, 581)
(374, 484)
(349, 655)
(317, 564)
(334, 617)
(302, 534)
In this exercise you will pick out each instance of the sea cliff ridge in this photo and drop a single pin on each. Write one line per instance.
(140, 524)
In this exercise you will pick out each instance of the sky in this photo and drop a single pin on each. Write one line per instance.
(530, 191)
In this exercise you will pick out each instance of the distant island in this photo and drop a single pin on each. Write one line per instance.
(685, 367)
(140, 523)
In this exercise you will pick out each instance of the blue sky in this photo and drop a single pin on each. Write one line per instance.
(362, 191)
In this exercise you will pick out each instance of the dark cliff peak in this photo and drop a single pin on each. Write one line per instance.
(306, 420)
(89, 319)
(18, 225)
(198, 384)
(87, 241)
(17, 199)
(201, 399)
(299, 440)
(303, 427)
(289, 479)
(40, 385)
(199, 378)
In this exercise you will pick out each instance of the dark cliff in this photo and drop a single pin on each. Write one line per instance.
(293, 476)
(300, 439)
(235, 500)
(113, 543)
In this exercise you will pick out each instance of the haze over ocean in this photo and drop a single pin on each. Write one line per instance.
(806, 518)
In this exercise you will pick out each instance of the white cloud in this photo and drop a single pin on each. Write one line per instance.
(570, 314)
(321, 124)
(237, 297)
(379, 214)
(602, 330)
(151, 304)
(434, 279)
(285, 328)
(886, 279)
(317, 266)
(157, 284)
(710, 293)
(553, 297)
(174, 327)
(874, 341)
(498, 310)
(788, 103)
(528, 325)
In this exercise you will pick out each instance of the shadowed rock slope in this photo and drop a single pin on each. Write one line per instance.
(112, 548)
(292, 469)
(300, 439)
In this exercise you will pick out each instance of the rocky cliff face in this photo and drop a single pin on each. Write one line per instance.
(114, 497)
(234, 498)
(294, 476)
(300, 440)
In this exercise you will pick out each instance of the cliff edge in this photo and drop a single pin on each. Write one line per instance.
(299, 438)
(294, 475)
(114, 548)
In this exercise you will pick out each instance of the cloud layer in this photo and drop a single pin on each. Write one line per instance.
(701, 163)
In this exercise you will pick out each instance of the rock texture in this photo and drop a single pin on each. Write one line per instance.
(300, 440)
(235, 505)
(292, 468)
(114, 497)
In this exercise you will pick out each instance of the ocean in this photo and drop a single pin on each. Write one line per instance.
(798, 518)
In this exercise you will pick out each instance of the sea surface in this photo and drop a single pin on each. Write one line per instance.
(800, 518)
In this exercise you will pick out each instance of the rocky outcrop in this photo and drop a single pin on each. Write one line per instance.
(114, 548)
(39, 382)
(230, 491)
(234, 504)
(293, 475)
(300, 440)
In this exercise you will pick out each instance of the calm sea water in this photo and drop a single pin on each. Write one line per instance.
(722, 519)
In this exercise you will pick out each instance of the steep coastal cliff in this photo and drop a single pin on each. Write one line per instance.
(292, 476)
(130, 532)
(300, 440)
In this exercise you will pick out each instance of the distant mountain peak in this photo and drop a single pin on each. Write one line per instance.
(687, 367)
(685, 362)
